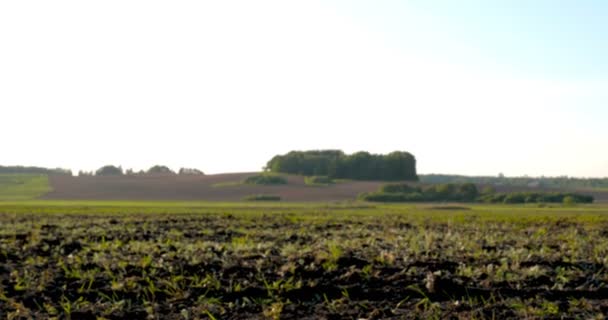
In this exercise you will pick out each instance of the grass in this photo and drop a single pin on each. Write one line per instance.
(23, 186)
(262, 197)
(227, 184)
(417, 211)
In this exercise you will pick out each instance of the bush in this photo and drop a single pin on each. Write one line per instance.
(262, 197)
(392, 197)
(534, 197)
(382, 197)
(266, 179)
(514, 198)
(569, 200)
(403, 192)
(399, 188)
(318, 180)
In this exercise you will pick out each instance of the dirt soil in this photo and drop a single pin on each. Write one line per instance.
(294, 267)
(197, 188)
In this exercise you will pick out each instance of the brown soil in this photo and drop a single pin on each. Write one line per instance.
(197, 188)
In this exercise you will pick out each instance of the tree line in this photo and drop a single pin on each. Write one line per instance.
(33, 170)
(563, 182)
(111, 170)
(467, 192)
(335, 164)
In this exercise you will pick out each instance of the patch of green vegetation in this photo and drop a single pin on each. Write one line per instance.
(403, 192)
(536, 197)
(227, 184)
(262, 197)
(467, 192)
(23, 186)
(322, 181)
(266, 180)
(571, 183)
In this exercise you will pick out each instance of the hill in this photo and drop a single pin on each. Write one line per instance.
(219, 187)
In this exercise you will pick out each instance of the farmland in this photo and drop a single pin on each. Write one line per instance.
(343, 260)
(220, 187)
(23, 186)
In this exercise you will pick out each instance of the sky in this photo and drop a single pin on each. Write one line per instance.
(469, 87)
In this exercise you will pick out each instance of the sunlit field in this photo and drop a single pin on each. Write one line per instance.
(351, 260)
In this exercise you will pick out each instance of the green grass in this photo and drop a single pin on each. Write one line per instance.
(23, 186)
(520, 214)
(227, 184)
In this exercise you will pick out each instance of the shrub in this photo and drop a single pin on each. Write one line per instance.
(318, 180)
(569, 200)
(534, 197)
(399, 188)
(392, 197)
(514, 198)
(402, 192)
(262, 197)
(266, 179)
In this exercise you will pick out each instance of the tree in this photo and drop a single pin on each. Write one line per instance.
(467, 192)
(109, 170)
(158, 169)
(190, 171)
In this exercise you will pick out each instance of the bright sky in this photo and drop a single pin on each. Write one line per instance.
(468, 87)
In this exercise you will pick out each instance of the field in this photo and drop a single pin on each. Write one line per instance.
(197, 260)
(221, 187)
(217, 188)
(23, 186)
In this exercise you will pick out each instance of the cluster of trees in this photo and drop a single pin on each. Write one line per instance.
(33, 170)
(500, 180)
(395, 166)
(467, 192)
(111, 170)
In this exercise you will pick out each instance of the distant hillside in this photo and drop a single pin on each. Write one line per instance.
(33, 170)
(216, 187)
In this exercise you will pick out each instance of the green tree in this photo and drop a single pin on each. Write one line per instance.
(109, 170)
(158, 169)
